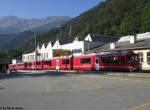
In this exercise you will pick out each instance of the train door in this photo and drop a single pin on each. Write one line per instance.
(97, 63)
(71, 63)
(57, 64)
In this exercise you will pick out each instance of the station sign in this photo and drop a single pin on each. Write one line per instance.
(61, 52)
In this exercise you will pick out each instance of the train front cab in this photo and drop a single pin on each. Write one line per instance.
(12, 67)
(119, 62)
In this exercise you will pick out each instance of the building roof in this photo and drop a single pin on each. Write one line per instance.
(142, 44)
(91, 45)
(66, 40)
(103, 38)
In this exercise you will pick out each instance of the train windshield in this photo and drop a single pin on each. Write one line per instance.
(133, 58)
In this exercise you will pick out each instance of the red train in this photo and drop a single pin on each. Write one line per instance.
(114, 60)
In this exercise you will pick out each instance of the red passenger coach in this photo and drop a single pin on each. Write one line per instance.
(62, 63)
(84, 62)
(12, 67)
(34, 65)
(65, 63)
(18, 66)
(47, 64)
(113, 60)
(38, 65)
(21, 66)
(119, 60)
(29, 66)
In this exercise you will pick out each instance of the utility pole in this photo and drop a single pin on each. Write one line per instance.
(70, 31)
(35, 50)
(59, 31)
(88, 44)
(58, 36)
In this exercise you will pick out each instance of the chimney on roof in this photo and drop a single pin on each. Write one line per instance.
(132, 39)
(112, 46)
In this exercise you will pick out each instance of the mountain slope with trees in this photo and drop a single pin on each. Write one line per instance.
(110, 17)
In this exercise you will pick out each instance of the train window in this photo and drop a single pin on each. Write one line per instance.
(48, 63)
(106, 60)
(148, 57)
(114, 59)
(140, 56)
(65, 61)
(85, 60)
(29, 64)
(102, 60)
(130, 59)
(38, 63)
(123, 60)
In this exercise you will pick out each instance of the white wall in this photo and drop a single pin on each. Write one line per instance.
(47, 52)
(28, 57)
(74, 45)
(57, 45)
(88, 38)
(145, 64)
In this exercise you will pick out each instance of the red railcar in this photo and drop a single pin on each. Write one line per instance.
(113, 60)
(29, 66)
(18, 66)
(21, 66)
(38, 65)
(119, 60)
(12, 67)
(84, 62)
(65, 63)
(34, 65)
(47, 64)
(62, 63)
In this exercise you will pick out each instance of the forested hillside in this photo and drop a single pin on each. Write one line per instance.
(112, 17)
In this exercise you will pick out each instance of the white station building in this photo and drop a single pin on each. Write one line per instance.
(76, 46)
(46, 52)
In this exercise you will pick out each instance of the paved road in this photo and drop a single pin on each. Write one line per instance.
(58, 91)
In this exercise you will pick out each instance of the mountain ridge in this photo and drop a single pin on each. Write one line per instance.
(13, 24)
(14, 30)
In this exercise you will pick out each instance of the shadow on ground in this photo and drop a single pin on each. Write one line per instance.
(21, 74)
(56, 74)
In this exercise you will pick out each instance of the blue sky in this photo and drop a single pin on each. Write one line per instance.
(43, 8)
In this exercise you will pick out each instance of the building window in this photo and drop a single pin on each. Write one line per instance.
(148, 57)
(85, 60)
(140, 56)
(46, 55)
(65, 61)
(23, 57)
(77, 51)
